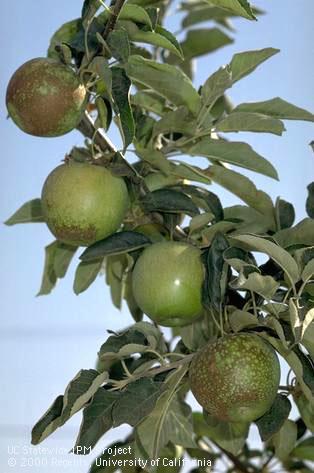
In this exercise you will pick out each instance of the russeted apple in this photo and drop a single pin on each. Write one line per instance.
(45, 98)
(83, 203)
(236, 378)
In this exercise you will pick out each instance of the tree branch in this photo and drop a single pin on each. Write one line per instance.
(113, 18)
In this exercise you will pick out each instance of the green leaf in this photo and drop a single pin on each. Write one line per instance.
(64, 34)
(119, 45)
(176, 121)
(154, 157)
(214, 87)
(136, 402)
(272, 421)
(295, 362)
(58, 257)
(136, 339)
(242, 64)
(248, 219)
(156, 39)
(85, 275)
(167, 80)
(306, 409)
(89, 10)
(245, 121)
(203, 41)
(103, 118)
(237, 7)
(169, 421)
(205, 13)
(121, 85)
(200, 221)
(310, 200)
(171, 38)
(244, 188)
(239, 320)
(150, 101)
(300, 234)
(216, 272)
(190, 172)
(277, 108)
(284, 440)
(169, 201)
(30, 212)
(135, 13)
(230, 436)
(278, 254)
(308, 270)
(265, 286)
(117, 243)
(48, 423)
(100, 66)
(79, 391)
(239, 154)
(304, 450)
(194, 335)
(97, 420)
(77, 394)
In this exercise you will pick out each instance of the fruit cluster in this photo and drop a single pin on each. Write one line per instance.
(236, 378)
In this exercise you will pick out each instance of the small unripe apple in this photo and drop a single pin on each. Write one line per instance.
(236, 378)
(83, 203)
(45, 98)
(167, 283)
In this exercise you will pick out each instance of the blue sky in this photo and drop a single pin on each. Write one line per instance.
(45, 341)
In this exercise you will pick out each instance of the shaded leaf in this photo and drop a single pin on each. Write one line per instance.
(230, 436)
(310, 200)
(272, 421)
(119, 45)
(237, 153)
(176, 121)
(171, 201)
(168, 421)
(117, 243)
(136, 402)
(30, 212)
(97, 420)
(284, 440)
(167, 80)
(285, 213)
(121, 85)
(216, 272)
(244, 63)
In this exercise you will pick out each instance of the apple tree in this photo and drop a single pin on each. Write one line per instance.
(149, 222)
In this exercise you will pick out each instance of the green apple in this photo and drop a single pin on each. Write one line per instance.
(167, 283)
(83, 203)
(45, 98)
(236, 378)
